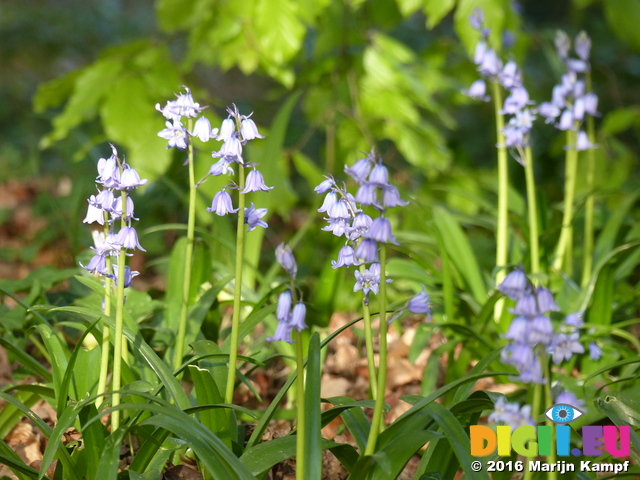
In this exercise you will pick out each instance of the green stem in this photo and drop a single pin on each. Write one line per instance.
(237, 294)
(564, 251)
(587, 256)
(535, 411)
(368, 339)
(118, 340)
(106, 333)
(534, 250)
(376, 421)
(188, 259)
(502, 234)
(300, 455)
(549, 401)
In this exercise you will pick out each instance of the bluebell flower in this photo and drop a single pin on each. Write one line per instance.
(583, 46)
(252, 217)
(391, 197)
(220, 167)
(523, 358)
(176, 134)
(108, 172)
(379, 176)
(367, 281)
(255, 182)
(283, 309)
(283, 333)
(540, 331)
(94, 214)
(564, 346)
(590, 103)
(231, 150)
(518, 330)
(563, 44)
(367, 251)
(566, 121)
(338, 226)
(568, 398)
(129, 179)
(510, 77)
(490, 65)
(116, 211)
(104, 200)
(128, 238)
(128, 275)
(202, 129)
(546, 302)
(574, 320)
(380, 231)
(183, 106)
(516, 101)
(366, 194)
(248, 129)
(359, 227)
(476, 19)
(583, 142)
(297, 316)
(339, 209)
(227, 129)
(595, 352)
(515, 284)
(329, 200)
(477, 91)
(511, 414)
(419, 304)
(346, 258)
(324, 186)
(285, 258)
(222, 204)
(526, 305)
(97, 265)
(549, 111)
(359, 170)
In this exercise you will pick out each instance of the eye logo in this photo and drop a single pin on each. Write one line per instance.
(562, 413)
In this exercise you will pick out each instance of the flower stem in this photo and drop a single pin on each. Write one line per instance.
(564, 251)
(587, 256)
(535, 411)
(534, 250)
(368, 338)
(237, 294)
(106, 333)
(300, 437)
(188, 259)
(118, 340)
(376, 421)
(549, 401)
(502, 234)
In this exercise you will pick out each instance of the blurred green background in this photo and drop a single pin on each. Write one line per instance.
(326, 80)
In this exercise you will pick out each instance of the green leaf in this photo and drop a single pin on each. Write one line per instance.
(460, 252)
(313, 434)
(57, 353)
(91, 85)
(46, 277)
(207, 392)
(457, 438)
(354, 419)
(623, 17)
(260, 458)
(26, 360)
(436, 11)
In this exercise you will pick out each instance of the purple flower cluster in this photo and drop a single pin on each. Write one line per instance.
(517, 104)
(346, 217)
(511, 414)
(531, 329)
(570, 102)
(105, 208)
(236, 130)
(288, 318)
